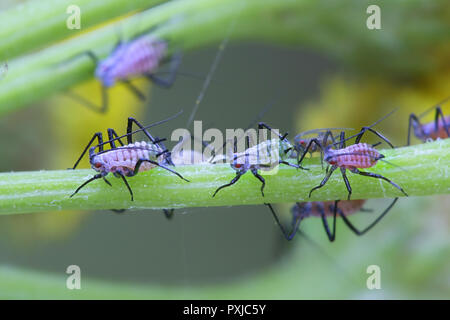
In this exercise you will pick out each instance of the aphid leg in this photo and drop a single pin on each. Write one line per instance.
(347, 183)
(126, 183)
(107, 181)
(262, 125)
(314, 140)
(167, 83)
(374, 175)
(324, 181)
(99, 138)
(288, 235)
(413, 123)
(140, 161)
(138, 93)
(331, 235)
(260, 178)
(361, 232)
(168, 157)
(97, 176)
(446, 125)
(379, 135)
(233, 181)
(168, 213)
(112, 134)
(132, 120)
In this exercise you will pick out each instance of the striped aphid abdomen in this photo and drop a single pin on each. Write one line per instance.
(124, 159)
(360, 155)
(430, 131)
(264, 156)
(314, 208)
(138, 57)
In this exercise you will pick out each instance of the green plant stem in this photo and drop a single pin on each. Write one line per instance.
(190, 24)
(424, 170)
(34, 24)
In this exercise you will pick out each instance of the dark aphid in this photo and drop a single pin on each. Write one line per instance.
(263, 156)
(353, 158)
(126, 160)
(302, 210)
(141, 56)
(432, 130)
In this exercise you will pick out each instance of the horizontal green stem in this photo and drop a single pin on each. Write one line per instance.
(337, 28)
(34, 24)
(420, 170)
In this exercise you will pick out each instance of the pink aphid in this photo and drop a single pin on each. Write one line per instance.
(437, 129)
(361, 155)
(354, 157)
(139, 57)
(124, 159)
(317, 208)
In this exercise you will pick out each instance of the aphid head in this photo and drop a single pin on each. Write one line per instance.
(103, 73)
(97, 163)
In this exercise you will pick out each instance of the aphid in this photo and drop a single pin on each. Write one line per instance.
(354, 157)
(259, 157)
(432, 130)
(126, 160)
(140, 56)
(302, 210)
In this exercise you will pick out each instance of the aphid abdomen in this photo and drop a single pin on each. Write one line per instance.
(430, 130)
(360, 155)
(141, 56)
(124, 159)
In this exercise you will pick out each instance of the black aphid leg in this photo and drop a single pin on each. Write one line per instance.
(379, 135)
(168, 213)
(415, 124)
(174, 66)
(107, 181)
(113, 136)
(378, 176)
(260, 178)
(331, 235)
(288, 235)
(140, 161)
(361, 232)
(97, 176)
(233, 181)
(314, 140)
(262, 125)
(347, 183)
(99, 138)
(126, 184)
(324, 181)
(132, 120)
(446, 125)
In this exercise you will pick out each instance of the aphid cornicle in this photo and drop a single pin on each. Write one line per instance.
(432, 130)
(260, 157)
(353, 157)
(140, 56)
(302, 210)
(126, 160)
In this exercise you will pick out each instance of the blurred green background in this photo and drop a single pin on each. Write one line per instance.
(229, 249)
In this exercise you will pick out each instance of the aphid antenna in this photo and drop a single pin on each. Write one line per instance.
(319, 130)
(146, 127)
(211, 72)
(433, 107)
(369, 127)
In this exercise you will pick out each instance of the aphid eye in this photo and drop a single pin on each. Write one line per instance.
(302, 142)
(238, 165)
(97, 164)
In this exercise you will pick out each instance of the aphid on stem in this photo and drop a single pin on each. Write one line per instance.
(263, 156)
(354, 157)
(302, 210)
(127, 160)
(141, 56)
(432, 130)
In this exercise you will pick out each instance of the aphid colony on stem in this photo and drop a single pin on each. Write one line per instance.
(127, 160)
